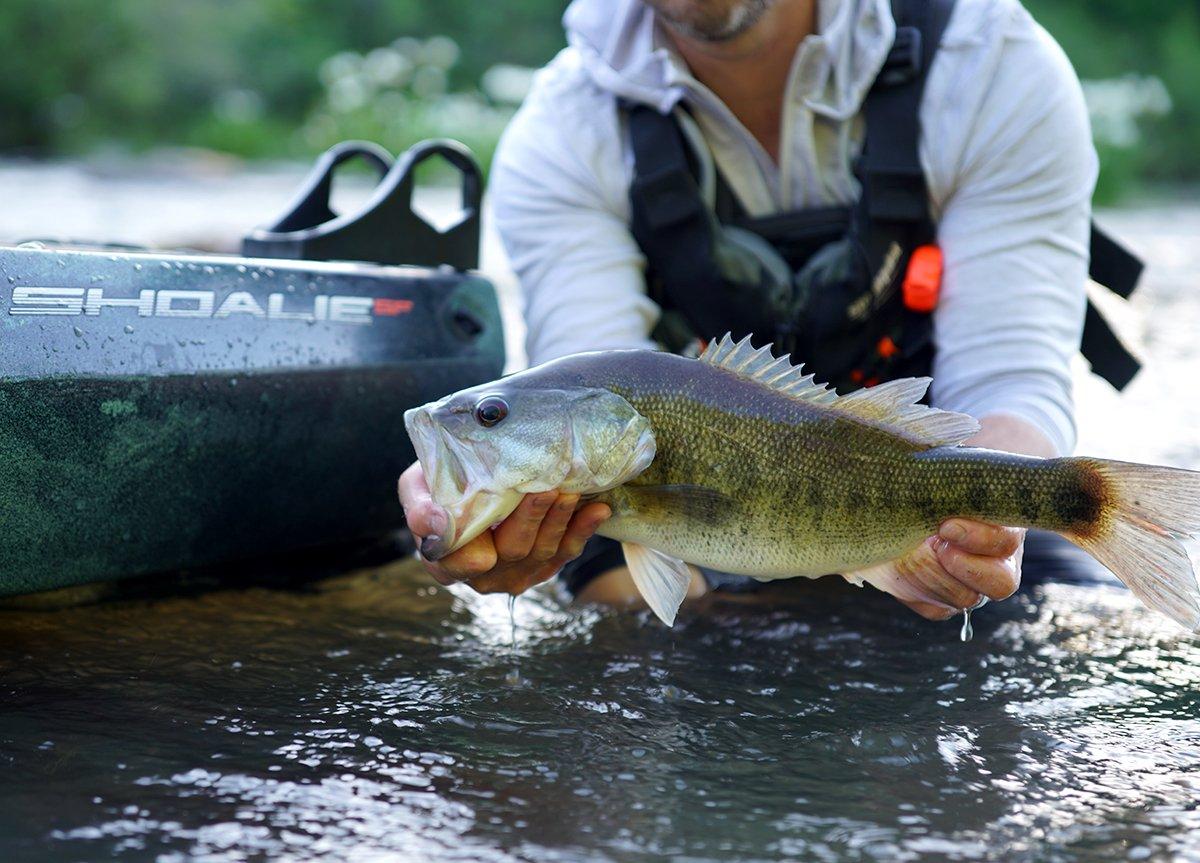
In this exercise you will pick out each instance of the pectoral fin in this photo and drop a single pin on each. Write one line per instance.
(662, 580)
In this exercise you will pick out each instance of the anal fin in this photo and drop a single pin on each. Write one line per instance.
(662, 580)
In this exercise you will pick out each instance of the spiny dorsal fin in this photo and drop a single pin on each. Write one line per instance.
(891, 406)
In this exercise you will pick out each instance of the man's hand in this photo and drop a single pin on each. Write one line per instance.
(965, 561)
(529, 547)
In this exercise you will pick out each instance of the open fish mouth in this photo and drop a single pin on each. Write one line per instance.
(439, 459)
(445, 474)
(457, 475)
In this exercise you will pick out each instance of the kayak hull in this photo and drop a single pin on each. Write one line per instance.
(199, 410)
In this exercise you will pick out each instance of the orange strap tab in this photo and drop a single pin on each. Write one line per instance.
(923, 280)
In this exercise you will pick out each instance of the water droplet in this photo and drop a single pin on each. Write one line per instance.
(968, 632)
(233, 382)
(514, 678)
(78, 332)
(209, 270)
(129, 328)
(672, 693)
(12, 280)
(166, 265)
(291, 289)
(137, 268)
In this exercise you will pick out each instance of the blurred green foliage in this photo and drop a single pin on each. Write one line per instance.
(256, 78)
(240, 75)
(1112, 38)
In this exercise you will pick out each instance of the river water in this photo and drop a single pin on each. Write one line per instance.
(372, 716)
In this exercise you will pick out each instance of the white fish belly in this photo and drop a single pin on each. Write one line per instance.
(799, 553)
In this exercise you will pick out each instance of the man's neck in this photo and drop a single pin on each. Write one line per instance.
(750, 72)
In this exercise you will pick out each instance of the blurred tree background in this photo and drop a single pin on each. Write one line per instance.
(286, 78)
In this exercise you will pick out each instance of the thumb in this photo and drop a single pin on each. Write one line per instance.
(424, 516)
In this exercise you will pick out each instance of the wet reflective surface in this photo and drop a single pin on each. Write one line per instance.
(368, 715)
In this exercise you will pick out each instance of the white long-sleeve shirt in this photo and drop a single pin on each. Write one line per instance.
(1005, 146)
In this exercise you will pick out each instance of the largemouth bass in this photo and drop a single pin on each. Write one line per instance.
(739, 462)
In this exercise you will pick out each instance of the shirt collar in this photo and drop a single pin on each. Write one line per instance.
(620, 46)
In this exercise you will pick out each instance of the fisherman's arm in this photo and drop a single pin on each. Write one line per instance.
(1014, 187)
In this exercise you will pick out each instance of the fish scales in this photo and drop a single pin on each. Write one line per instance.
(810, 493)
(739, 463)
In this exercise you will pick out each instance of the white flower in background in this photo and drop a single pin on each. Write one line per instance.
(440, 51)
(1116, 104)
(401, 93)
(347, 94)
(410, 48)
(344, 65)
(388, 67)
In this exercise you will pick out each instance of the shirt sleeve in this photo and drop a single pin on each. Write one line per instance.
(1014, 187)
(558, 190)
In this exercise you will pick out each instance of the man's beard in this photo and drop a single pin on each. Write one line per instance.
(711, 20)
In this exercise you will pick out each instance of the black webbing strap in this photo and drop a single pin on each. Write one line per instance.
(890, 169)
(1106, 354)
(670, 220)
(1112, 265)
(1116, 268)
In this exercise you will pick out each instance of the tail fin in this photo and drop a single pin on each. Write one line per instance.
(1146, 511)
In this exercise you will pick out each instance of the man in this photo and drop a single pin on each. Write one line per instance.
(776, 90)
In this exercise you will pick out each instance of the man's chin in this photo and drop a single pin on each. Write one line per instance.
(710, 20)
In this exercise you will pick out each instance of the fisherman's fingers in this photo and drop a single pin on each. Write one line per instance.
(582, 527)
(475, 559)
(424, 517)
(550, 534)
(980, 537)
(994, 577)
(930, 581)
(929, 610)
(515, 535)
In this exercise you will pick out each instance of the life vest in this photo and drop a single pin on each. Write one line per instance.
(848, 291)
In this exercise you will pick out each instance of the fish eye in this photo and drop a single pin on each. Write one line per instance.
(490, 410)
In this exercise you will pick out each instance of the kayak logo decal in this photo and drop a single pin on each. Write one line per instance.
(335, 308)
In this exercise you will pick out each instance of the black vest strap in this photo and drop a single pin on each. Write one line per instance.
(1112, 265)
(890, 168)
(677, 233)
(670, 221)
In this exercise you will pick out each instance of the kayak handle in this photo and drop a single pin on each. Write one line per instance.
(386, 229)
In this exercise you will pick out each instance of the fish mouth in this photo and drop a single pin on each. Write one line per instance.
(439, 461)
(456, 474)
(444, 472)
